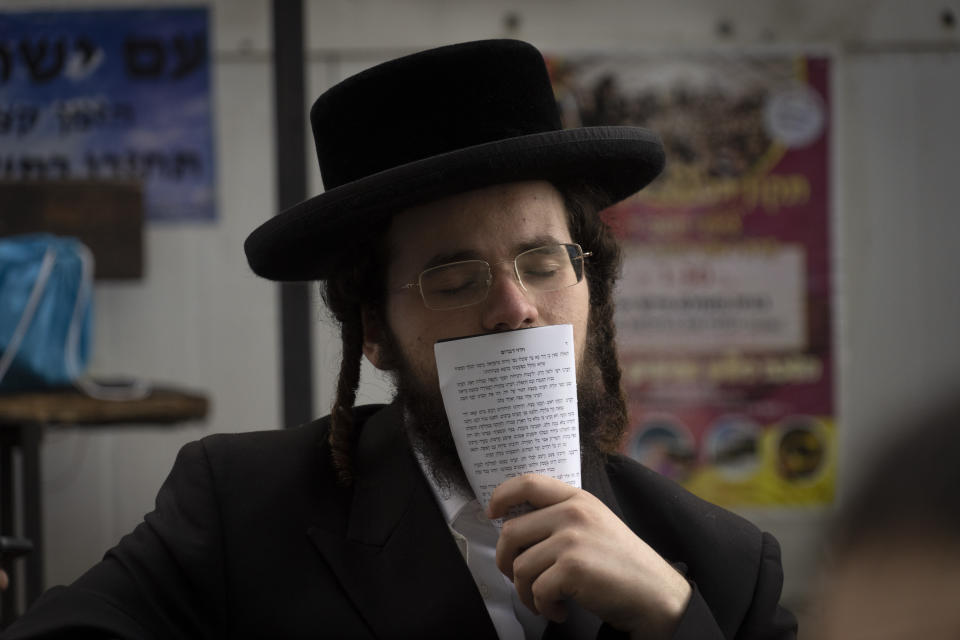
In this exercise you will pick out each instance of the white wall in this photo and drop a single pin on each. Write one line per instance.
(200, 319)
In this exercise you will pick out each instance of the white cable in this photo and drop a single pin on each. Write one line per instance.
(39, 285)
(136, 389)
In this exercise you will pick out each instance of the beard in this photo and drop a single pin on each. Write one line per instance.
(600, 411)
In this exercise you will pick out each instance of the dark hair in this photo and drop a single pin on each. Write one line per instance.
(584, 203)
(359, 288)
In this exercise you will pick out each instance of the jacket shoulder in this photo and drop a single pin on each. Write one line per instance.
(642, 493)
(283, 450)
(734, 565)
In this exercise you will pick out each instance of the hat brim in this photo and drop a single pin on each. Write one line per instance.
(305, 241)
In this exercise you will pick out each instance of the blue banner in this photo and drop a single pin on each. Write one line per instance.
(111, 94)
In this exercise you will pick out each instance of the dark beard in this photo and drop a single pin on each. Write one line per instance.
(428, 429)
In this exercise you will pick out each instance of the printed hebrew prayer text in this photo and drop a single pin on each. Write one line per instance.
(511, 399)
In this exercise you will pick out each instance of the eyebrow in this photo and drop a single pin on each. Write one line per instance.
(469, 254)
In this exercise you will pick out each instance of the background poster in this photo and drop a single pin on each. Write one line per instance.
(104, 94)
(724, 309)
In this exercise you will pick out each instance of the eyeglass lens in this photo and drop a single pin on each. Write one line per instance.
(461, 284)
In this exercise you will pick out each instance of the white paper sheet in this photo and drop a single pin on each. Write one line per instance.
(511, 399)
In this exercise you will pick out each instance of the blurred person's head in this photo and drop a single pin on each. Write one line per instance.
(895, 555)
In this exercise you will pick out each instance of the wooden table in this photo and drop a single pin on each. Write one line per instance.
(23, 417)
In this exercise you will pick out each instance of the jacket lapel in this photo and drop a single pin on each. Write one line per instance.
(595, 480)
(392, 550)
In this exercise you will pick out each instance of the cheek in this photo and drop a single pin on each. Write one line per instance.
(571, 308)
(406, 322)
(582, 323)
(580, 331)
(417, 329)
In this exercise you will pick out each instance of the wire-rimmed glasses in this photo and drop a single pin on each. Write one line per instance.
(461, 284)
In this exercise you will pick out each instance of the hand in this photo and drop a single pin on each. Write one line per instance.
(4, 580)
(573, 547)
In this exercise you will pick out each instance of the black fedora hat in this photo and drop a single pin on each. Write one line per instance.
(432, 124)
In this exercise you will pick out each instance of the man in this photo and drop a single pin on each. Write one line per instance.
(447, 176)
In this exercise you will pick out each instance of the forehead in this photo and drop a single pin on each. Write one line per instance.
(493, 223)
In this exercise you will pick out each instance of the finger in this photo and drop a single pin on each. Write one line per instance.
(539, 491)
(532, 563)
(569, 519)
(4, 581)
(518, 535)
(549, 595)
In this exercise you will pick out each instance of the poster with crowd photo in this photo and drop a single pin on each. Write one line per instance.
(111, 94)
(724, 309)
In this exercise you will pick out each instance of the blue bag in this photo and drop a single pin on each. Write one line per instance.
(46, 311)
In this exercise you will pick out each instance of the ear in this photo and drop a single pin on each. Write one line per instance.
(373, 335)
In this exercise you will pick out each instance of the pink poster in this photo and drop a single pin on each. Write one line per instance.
(724, 311)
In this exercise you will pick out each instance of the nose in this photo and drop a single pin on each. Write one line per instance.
(507, 305)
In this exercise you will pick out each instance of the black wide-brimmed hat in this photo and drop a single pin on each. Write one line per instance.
(433, 124)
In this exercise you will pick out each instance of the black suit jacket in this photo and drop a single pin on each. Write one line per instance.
(252, 538)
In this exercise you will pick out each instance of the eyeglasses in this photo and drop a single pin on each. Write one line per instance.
(461, 284)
